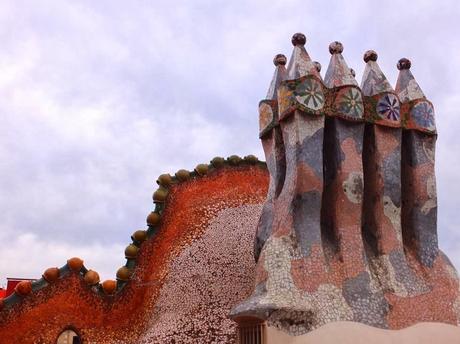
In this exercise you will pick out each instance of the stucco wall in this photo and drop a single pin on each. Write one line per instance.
(357, 333)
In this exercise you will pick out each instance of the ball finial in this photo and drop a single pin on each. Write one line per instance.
(370, 55)
(335, 48)
(352, 71)
(279, 59)
(403, 64)
(298, 39)
(317, 66)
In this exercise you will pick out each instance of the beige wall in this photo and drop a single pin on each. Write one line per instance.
(356, 333)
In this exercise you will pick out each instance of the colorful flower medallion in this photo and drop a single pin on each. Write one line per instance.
(310, 94)
(423, 116)
(388, 107)
(350, 103)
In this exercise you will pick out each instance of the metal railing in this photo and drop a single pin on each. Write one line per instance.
(251, 333)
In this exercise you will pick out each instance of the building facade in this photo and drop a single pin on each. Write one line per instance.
(339, 224)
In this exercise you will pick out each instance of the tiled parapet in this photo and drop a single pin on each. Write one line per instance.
(339, 247)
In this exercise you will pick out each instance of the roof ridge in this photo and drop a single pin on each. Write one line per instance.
(110, 287)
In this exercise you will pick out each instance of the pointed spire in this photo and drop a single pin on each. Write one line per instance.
(279, 75)
(318, 68)
(338, 73)
(374, 81)
(300, 63)
(317, 65)
(407, 87)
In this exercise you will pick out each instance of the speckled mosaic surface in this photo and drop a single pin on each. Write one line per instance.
(196, 264)
(353, 230)
(206, 280)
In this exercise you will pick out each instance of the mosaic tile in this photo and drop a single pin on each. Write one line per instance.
(340, 224)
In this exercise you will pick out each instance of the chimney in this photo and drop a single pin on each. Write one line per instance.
(419, 208)
(348, 231)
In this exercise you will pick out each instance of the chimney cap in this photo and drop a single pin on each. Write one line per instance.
(298, 39)
(335, 48)
(370, 55)
(404, 64)
(279, 59)
(317, 66)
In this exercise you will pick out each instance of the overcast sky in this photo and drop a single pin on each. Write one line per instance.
(97, 98)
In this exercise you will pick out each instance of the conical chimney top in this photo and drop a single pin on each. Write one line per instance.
(280, 74)
(338, 73)
(300, 63)
(407, 87)
(374, 81)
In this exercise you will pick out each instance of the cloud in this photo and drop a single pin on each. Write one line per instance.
(99, 98)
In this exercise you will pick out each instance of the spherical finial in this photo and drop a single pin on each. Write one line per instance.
(109, 286)
(335, 48)
(234, 160)
(75, 264)
(403, 64)
(352, 71)
(279, 59)
(131, 251)
(91, 277)
(141, 235)
(317, 66)
(160, 195)
(370, 55)
(182, 175)
(202, 169)
(218, 161)
(152, 219)
(164, 179)
(252, 159)
(23, 288)
(51, 274)
(124, 274)
(298, 39)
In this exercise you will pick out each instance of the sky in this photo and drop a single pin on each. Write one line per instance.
(98, 98)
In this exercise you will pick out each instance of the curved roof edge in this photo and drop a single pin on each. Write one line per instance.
(76, 266)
